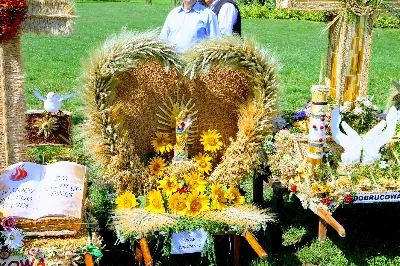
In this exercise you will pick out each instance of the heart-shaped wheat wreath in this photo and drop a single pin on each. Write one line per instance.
(135, 83)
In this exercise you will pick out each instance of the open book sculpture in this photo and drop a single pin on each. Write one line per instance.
(33, 191)
(353, 143)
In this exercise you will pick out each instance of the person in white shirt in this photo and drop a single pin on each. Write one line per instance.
(229, 19)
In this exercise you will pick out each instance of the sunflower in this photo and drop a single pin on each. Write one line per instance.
(233, 195)
(344, 182)
(302, 125)
(169, 185)
(210, 140)
(126, 201)
(154, 202)
(161, 142)
(203, 163)
(198, 185)
(192, 176)
(177, 203)
(196, 203)
(157, 165)
(218, 196)
(318, 188)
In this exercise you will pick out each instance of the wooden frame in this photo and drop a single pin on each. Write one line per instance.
(142, 251)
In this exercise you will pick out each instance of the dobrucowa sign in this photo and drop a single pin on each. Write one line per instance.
(377, 197)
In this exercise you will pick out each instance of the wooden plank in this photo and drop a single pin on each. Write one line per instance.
(88, 260)
(236, 249)
(148, 261)
(255, 245)
(325, 216)
(322, 229)
(138, 254)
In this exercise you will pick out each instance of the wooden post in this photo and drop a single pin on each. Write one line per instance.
(325, 216)
(277, 197)
(88, 260)
(322, 228)
(148, 261)
(258, 189)
(138, 254)
(236, 249)
(255, 245)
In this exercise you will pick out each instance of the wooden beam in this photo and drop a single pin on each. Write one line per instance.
(322, 229)
(236, 249)
(255, 245)
(88, 260)
(148, 261)
(138, 254)
(323, 214)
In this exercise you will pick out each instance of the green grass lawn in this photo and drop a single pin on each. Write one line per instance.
(54, 63)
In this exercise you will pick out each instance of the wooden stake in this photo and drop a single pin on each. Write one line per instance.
(138, 254)
(88, 260)
(236, 249)
(148, 261)
(325, 216)
(322, 228)
(254, 244)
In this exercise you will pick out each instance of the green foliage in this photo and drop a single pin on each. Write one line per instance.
(102, 203)
(48, 155)
(271, 12)
(257, 9)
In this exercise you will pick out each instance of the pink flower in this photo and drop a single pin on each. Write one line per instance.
(33, 251)
(8, 223)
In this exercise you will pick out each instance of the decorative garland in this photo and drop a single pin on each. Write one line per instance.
(11, 13)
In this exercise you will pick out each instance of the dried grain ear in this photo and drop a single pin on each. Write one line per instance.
(139, 93)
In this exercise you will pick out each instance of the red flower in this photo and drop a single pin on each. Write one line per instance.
(11, 14)
(326, 201)
(349, 198)
(293, 188)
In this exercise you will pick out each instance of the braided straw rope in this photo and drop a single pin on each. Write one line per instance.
(13, 103)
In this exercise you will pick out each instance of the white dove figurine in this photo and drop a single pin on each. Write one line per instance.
(351, 141)
(377, 137)
(52, 103)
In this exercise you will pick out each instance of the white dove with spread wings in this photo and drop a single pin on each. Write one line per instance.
(371, 143)
(52, 103)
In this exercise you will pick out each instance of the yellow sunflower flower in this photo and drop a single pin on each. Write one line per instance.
(177, 203)
(233, 195)
(154, 202)
(344, 182)
(196, 204)
(192, 176)
(318, 188)
(126, 201)
(302, 124)
(157, 165)
(210, 140)
(198, 185)
(203, 163)
(218, 197)
(169, 185)
(161, 142)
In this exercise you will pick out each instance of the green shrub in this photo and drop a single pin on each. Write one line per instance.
(267, 9)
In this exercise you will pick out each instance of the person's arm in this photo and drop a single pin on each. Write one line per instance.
(227, 18)
(165, 30)
(213, 28)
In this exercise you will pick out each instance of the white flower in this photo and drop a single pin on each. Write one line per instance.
(13, 239)
(383, 165)
(375, 108)
(358, 111)
(367, 104)
(347, 104)
(344, 109)
(361, 99)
